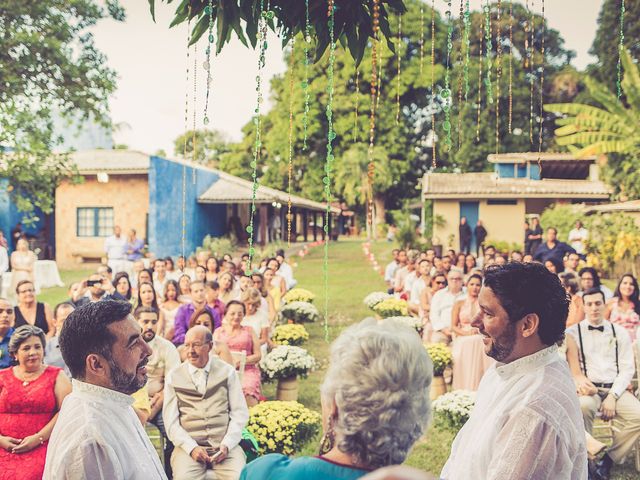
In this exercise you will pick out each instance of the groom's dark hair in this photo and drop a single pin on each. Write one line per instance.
(524, 288)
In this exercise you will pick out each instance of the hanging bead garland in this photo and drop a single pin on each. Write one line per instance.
(265, 16)
(460, 74)
(421, 38)
(498, 71)
(479, 103)
(488, 44)
(305, 83)
(510, 66)
(183, 239)
(467, 43)
(542, 62)
(399, 59)
(531, 53)
(379, 81)
(193, 127)
(372, 114)
(445, 93)
(620, 48)
(290, 166)
(208, 10)
(356, 133)
(433, 84)
(331, 135)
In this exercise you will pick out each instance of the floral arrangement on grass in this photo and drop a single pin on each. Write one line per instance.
(411, 322)
(299, 312)
(440, 356)
(298, 295)
(286, 361)
(452, 410)
(282, 427)
(392, 307)
(374, 298)
(290, 334)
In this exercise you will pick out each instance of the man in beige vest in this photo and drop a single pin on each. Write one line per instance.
(204, 413)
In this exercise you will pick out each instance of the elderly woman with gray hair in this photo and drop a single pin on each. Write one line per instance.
(375, 405)
(31, 394)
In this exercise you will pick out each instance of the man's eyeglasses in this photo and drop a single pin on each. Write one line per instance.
(27, 290)
(9, 311)
(195, 345)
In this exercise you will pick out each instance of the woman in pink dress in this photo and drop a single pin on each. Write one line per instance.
(624, 308)
(469, 359)
(242, 339)
(31, 394)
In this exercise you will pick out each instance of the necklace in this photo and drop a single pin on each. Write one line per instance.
(26, 380)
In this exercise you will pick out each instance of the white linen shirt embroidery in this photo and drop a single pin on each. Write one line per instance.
(600, 353)
(526, 424)
(99, 437)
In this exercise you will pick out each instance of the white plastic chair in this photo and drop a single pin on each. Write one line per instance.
(242, 358)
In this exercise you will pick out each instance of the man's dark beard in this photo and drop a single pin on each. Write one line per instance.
(122, 382)
(502, 346)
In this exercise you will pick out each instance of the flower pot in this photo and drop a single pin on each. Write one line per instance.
(438, 387)
(290, 322)
(287, 389)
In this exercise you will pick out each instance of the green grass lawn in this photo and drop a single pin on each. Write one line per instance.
(351, 278)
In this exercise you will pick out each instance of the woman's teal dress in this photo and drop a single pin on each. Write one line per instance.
(279, 467)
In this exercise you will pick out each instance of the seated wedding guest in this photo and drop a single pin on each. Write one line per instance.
(202, 256)
(278, 280)
(242, 339)
(147, 297)
(97, 435)
(228, 287)
(255, 318)
(137, 267)
(259, 283)
(438, 282)
(170, 266)
(244, 282)
(553, 266)
(204, 413)
(190, 269)
(7, 318)
(200, 274)
(375, 406)
(198, 301)
(164, 358)
(527, 258)
(203, 317)
(419, 285)
(275, 291)
(29, 311)
(105, 271)
(141, 404)
(589, 279)
(211, 293)
(441, 306)
(469, 359)
(606, 360)
(516, 256)
(122, 285)
(526, 422)
(181, 264)
(624, 308)
(212, 269)
(461, 260)
(470, 264)
(160, 276)
(576, 308)
(31, 394)
(184, 289)
(95, 289)
(170, 306)
(285, 270)
(52, 354)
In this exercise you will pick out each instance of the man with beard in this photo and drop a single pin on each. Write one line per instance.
(204, 413)
(163, 359)
(526, 422)
(99, 288)
(97, 435)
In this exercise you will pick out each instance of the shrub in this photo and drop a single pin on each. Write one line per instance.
(218, 246)
(282, 427)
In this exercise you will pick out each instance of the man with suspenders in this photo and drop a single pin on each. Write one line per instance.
(606, 360)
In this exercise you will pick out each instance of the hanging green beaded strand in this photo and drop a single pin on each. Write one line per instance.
(445, 93)
(488, 51)
(620, 48)
(305, 83)
(208, 10)
(467, 43)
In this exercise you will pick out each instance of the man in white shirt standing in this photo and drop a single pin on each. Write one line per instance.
(115, 246)
(578, 238)
(98, 435)
(442, 305)
(163, 359)
(526, 422)
(606, 360)
(204, 413)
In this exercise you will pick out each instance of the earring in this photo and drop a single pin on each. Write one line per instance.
(327, 441)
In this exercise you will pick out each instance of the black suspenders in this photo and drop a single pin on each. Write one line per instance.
(583, 359)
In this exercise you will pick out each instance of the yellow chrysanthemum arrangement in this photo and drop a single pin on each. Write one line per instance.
(290, 334)
(440, 357)
(298, 295)
(282, 427)
(392, 307)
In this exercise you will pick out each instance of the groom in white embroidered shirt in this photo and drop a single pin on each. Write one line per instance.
(605, 357)
(526, 423)
(204, 413)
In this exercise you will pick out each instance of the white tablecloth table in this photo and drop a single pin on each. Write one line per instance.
(46, 275)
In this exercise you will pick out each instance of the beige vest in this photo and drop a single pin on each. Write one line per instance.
(204, 417)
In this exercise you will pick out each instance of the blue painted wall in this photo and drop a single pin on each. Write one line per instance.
(10, 216)
(165, 208)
